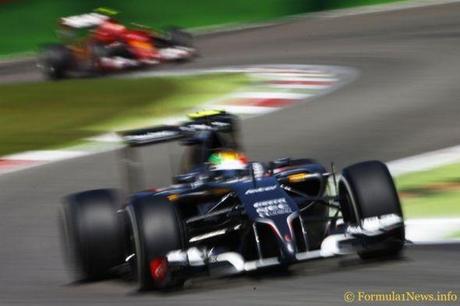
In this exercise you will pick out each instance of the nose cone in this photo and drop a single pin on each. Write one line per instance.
(288, 251)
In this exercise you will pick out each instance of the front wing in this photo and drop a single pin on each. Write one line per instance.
(352, 240)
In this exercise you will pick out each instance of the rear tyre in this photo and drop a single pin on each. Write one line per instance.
(93, 233)
(55, 61)
(156, 229)
(367, 190)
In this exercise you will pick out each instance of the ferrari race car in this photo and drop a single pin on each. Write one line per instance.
(96, 42)
(225, 214)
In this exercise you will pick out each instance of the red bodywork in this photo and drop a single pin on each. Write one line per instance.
(139, 42)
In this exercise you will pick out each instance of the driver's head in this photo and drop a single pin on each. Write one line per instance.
(228, 163)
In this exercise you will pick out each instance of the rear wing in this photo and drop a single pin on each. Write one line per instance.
(188, 133)
(153, 135)
(216, 121)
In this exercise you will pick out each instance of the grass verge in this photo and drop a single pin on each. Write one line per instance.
(432, 193)
(50, 114)
(455, 235)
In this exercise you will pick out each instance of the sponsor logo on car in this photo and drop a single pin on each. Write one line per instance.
(260, 189)
(272, 207)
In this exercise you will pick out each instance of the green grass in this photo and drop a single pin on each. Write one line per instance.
(455, 235)
(433, 193)
(44, 115)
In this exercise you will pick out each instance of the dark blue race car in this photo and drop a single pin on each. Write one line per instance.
(225, 214)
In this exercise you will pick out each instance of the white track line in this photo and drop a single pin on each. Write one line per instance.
(300, 86)
(425, 161)
(270, 95)
(294, 76)
(317, 70)
(109, 137)
(45, 155)
(243, 109)
(431, 230)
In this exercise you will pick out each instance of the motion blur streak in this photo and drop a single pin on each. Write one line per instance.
(404, 103)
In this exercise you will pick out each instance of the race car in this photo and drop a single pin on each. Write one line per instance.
(96, 42)
(225, 215)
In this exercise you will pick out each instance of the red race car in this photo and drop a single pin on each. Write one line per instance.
(96, 43)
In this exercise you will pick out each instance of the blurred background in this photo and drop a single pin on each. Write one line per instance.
(26, 24)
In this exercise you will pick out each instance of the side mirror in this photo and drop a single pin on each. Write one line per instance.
(186, 178)
(280, 162)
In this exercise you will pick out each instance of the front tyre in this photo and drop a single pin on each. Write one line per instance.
(367, 190)
(156, 230)
(93, 233)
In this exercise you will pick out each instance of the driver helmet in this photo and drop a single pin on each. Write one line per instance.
(228, 163)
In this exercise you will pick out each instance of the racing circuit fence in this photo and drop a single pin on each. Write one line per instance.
(26, 24)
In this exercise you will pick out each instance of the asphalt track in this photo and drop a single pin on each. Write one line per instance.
(405, 102)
